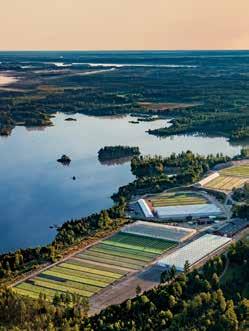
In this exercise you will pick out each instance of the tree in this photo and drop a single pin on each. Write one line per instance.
(138, 290)
(215, 281)
(172, 272)
(186, 267)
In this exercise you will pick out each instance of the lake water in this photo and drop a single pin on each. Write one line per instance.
(37, 192)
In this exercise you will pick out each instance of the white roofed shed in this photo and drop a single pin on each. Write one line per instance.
(145, 208)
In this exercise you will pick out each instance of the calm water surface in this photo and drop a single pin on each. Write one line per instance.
(36, 191)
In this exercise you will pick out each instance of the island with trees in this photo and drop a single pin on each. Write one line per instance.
(116, 152)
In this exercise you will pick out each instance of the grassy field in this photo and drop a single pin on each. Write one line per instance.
(176, 199)
(93, 269)
(240, 171)
(225, 183)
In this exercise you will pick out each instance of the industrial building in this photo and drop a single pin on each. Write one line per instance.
(194, 252)
(182, 212)
(160, 231)
(145, 209)
(231, 228)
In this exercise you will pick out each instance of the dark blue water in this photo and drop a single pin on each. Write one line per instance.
(37, 192)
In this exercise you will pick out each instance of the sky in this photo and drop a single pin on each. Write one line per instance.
(124, 24)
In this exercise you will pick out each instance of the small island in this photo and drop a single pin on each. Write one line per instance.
(116, 152)
(65, 160)
(69, 119)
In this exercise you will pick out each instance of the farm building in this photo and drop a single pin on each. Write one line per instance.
(194, 252)
(145, 209)
(194, 211)
(160, 231)
(232, 227)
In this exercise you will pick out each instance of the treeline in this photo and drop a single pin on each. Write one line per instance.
(195, 301)
(228, 124)
(23, 260)
(115, 152)
(183, 163)
(71, 232)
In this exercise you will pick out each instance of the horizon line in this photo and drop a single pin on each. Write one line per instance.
(125, 50)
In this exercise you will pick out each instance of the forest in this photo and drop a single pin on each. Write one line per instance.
(205, 300)
(216, 87)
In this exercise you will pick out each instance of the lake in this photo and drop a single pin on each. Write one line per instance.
(37, 192)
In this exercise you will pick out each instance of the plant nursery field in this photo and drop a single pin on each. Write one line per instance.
(240, 171)
(95, 268)
(226, 183)
(175, 199)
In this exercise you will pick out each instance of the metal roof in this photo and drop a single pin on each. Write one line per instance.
(160, 231)
(145, 208)
(206, 209)
(194, 252)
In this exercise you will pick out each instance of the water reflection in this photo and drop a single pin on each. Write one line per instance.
(37, 192)
(118, 161)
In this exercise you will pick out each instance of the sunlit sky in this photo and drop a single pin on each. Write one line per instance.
(123, 24)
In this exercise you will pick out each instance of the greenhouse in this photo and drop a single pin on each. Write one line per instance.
(194, 252)
(160, 231)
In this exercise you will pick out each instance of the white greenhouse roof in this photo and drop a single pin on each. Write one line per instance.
(145, 208)
(161, 231)
(194, 252)
(207, 209)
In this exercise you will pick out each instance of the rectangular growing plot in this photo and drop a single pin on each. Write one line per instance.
(242, 170)
(58, 287)
(78, 273)
(226, 183)
(159, 231)
(112, 262)
(79, 264)
(68, 283)
(121, 253)
(125, 250)
(173, 199)
(83, 280)
(140, 243)
(108, 257)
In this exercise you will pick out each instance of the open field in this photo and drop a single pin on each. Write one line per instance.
(175, 199)
(240, 171)
(226, 183)
(92, 270)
